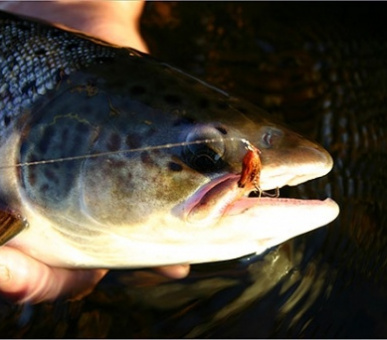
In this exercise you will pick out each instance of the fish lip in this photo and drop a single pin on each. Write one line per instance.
(225, 184)
(223, 197)
(245, 203)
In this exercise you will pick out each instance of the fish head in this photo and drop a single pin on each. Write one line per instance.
(145, 171)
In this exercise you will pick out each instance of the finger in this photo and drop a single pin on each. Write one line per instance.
(114, 21)
(174, 272)
(23, 279)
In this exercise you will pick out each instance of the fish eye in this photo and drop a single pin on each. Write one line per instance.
(205, 149)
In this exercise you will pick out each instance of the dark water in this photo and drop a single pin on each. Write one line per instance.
(322, 68)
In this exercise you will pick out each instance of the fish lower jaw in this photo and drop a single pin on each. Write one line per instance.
(225, 207)
(247, 226)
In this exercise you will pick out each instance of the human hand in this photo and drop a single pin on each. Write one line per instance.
(116, 22)
(23, 278)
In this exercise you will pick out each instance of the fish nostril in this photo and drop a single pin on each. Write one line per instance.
(271, 137)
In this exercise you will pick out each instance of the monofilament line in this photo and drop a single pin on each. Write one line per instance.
(107, 153)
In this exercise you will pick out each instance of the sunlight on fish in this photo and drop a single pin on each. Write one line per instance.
(116, 160)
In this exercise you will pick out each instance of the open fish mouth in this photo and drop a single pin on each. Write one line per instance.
(231, 194)
(267, 220)
(222, 196)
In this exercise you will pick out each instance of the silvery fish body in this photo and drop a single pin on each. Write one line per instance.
(113, 159)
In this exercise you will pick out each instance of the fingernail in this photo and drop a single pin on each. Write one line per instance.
(5, 275)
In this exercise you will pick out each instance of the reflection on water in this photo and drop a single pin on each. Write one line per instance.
(325, 73)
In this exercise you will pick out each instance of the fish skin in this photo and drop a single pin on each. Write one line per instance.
(65, 95)
(33, 60)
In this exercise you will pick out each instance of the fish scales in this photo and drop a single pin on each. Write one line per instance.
(33, 58)
(66, 96)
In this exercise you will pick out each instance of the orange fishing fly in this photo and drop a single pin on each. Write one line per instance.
(251, 168)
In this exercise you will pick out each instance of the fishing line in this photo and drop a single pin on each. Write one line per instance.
(246, 143)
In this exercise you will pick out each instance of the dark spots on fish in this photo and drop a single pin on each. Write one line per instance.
(174, 166)
(151, 131)
(133, 140)
(222, 105)
(40, 51)
(172, 99)
(44, 141)
(23, 26)
(51, 176)
(32, 176)
(82, 128)
(6, 120)
(184, 121)
(129, 176)
(55, 33)
(222, 130)
(32, 158)
(31, 85)
(70, 146)
(204, 104)
(65, 135)
(71, 46)
(117, 164)
(58, 165)
(137, 90)
(146, 158)
(76, 142)
(114, 142)
(44, 188)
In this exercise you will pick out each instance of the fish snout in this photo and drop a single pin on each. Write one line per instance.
(293, 160)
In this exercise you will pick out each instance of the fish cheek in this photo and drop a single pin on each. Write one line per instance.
(125, 191)
(176, 182)
(110, 191)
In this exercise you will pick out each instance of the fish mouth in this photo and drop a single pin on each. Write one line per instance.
(222, 202)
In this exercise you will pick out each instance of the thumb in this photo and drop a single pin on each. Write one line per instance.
(24, 279)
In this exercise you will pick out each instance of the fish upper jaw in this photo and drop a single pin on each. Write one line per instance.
(309, 162)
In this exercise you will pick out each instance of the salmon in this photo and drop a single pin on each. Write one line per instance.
(112, 159)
